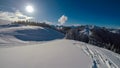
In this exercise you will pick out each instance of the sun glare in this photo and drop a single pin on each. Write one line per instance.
(29, 9)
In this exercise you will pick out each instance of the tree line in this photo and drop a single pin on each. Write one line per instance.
(43, 24)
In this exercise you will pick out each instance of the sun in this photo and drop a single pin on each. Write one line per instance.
(29, 8)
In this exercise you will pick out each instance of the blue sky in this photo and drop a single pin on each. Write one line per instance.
(93, 12)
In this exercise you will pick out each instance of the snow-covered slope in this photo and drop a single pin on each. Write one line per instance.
(20, 34)
(58, 54)
(102, 58)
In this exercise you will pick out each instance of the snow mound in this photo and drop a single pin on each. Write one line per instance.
(10, 34)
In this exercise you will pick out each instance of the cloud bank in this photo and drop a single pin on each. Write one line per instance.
(62, 19)
(14, 16)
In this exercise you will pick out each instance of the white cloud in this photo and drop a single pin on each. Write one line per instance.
(62, 19)
(14, 16)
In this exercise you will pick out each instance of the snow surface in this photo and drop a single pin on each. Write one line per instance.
(58, 54)
(12, 35)
(101, 58)
(52, 53)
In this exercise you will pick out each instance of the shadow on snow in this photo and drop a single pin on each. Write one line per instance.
(38, 34)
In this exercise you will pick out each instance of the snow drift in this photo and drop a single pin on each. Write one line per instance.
(14, 34)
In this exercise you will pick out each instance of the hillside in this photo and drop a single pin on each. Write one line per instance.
(40, 47)
(20, 34)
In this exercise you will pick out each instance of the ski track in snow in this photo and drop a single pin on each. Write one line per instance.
(99, 59)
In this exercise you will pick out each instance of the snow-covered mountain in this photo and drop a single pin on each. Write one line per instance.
(115, 31)
(40, 47)
(99, 36)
